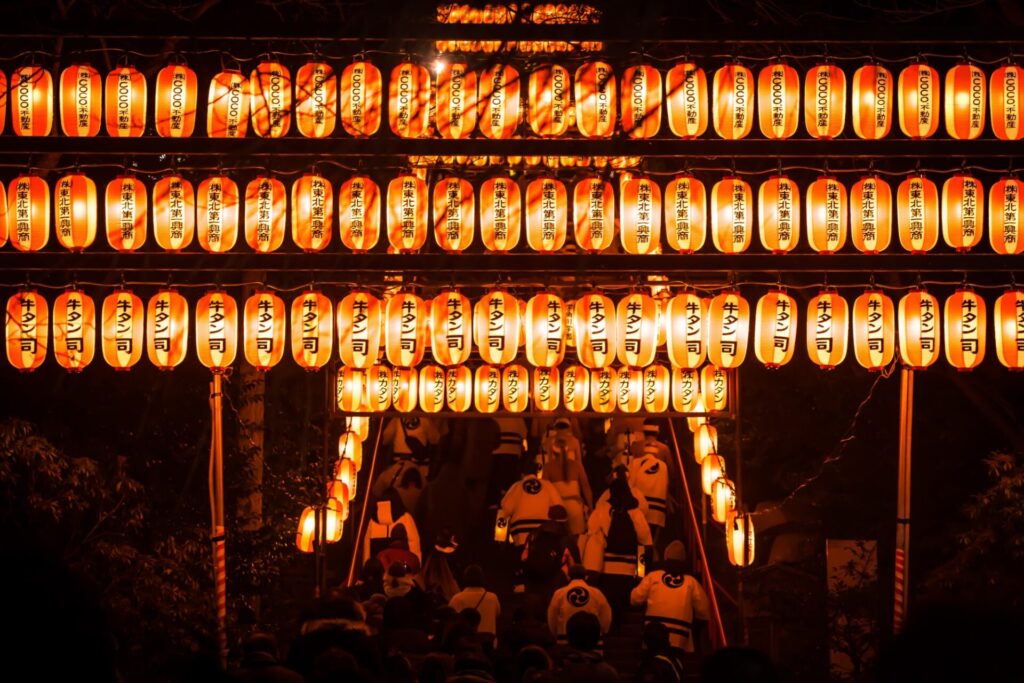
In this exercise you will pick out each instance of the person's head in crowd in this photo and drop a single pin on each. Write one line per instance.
(473, 666)
(435, 668)
(473, 577)
(583, 631)
(655, 639)
(336, 664)
(738, 665)
(577, 571)
(372, 572)
(529, 467)
(397, 668)
(398, 582)
(619, 495)
(470, 617)
(532, 658)
(399, 537)
(261, 645)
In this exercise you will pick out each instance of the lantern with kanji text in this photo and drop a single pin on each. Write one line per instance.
(685, 329)
(174, 213)
(723, 499)
(81, 101)
(657, 384)
(216, 330)
(405, 331)
(919, 101)
(778, 100)
(739, 538)
(641, 101)
(965, 102)
(360, 319)
(825, 101)
(350, 389)
(640, 216)
(593, 214)
(312, 330)
(74, 330)
(177, 90)
(454, 214)
(312, 212)
(431, 388)
(731, 215)
(603, 390)
(407, 213)
(28, 212)
(217, 214)
(686, 100)
(458, 392)
(874, 324)
(1004, 102)
(629, 389)
(1004, 217)
(316, 99)
(686, 214)
(711, 468)
(596, 100)
(123, 325)
(74, 211)
(728, 325)
(359, 215)
(636, 338)
(594, 330)
(500, 214)
(264, 320)
(409, 100)
(828, 322)
(917, 202)
(546, 214)
(550, 100)
(963, 210)
(270, 99)
(775, 329)
(456, 100)
(733, 101)
(871, 214)
(31, 95)
(575, 388)
(500, 111)
(1008, 319)
(965, 330)
(126, 211)
(714, 388)
(778, 214)
(451, 324)
(266, 208)
(546, 389)
(826, 215)
(126, 103)
(919, 329)
(545, 330)
(871, 101)
(378, 388)
(167, 329)
(487, 389)
(515, 388)
(496, 323)
(27, 330)
(227, 106)
(360, 98)
(686, 390)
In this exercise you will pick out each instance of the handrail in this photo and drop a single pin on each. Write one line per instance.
(367, 490)
(709, 581)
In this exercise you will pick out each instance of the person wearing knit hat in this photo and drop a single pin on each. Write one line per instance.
(673, 598)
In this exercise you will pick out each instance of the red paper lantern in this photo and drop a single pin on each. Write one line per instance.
(312, 330)
(217, 214)
(227, 106)
(550, 95)
(546, 389)
(515, 388)
(733, 101)
(216, 330)
(874, 324)
(270, 99)
(27, 327)
(640, 216)
(312, 212)
(360, 319)
(728, 326)
(431, 389)
(686, 391)
(350, 390)
(456, 98)
(405, 332)
(81, 101)
(637, 335)
(596, 100)
(775, 329)
(545, 330)
(126, 103)
(731, 215)
(1004, 107)
(919, 325)
(685, 330)
(123, 326)
(378, 388)
(497, 323)
(1004, 217)
(963, 211)
(917, 201)
(28, 212)
(167, 329)
(359, 216)
(407, 213)
(174, 213)
(714, 388)
(575, 388)
(657, 380)
(360, 99)
(778, 99)
(546, 211)
(1008, 319)
(487, 389)
(74, 330)
(74, 209)
(686, 100)
(871, 214)
(454, 214)
(175, 101)
(603, 390)
(3, 100)
(871, 101)
(828, 322)
(126, 211)
(316, 99)
(965, 102)
(629, 389)
(686, 214)
(500, 112)
(825, 101)
(594, 330)
(31, 96)
(778, 214)
(264, 330)
(409, 100)
(500, 214)
(451, 323)
(593, 214)
(966, 324)
(266, 208)
(641, 101)
(458, 394)
(919, 101)
(826, 215)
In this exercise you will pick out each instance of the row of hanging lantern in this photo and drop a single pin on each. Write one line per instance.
(692, 329)
(460, 100)
(684, 212)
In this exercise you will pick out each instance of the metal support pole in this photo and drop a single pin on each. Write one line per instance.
(216, 486)
(738, 448)
(903, 500)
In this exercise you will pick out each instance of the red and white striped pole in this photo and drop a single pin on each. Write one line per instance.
(903, 500)
(216, 483)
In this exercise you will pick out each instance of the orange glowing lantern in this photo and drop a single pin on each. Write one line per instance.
(409, 100)
(175, 101)
(731, 215)
(27, 330)
(963, 210)
(686, 100)
(359, 318)
(775, 329)
(657, 380)
(919, 101)
(216, 330)
(405, 332)
(316, 100)
(74, 330)
(546, 389)
(266, 209)
(407, 213)
(686, 214)
(312, 212)
(3, 100)
(594, 330)
(270, 99)
(641, 101)
(965, 102)
(871, 214)
(28, 212)
(711, 468)
(1004, 217)
(167, 329)
(431, 388)
(217, 214)
(126, 211)
(685, 330)
(456, 108)
(454, 214)
(828, 323)
(739, 539)
(350, 389)
(733, 101)
(451, 322)
(575, 388)
(825, 101)
(81, 101)
(359, 427)
(965, 329)
(637, 330)
(917, 201)
(126, 103)
(330, 517)
(545, 330)
(312, 330)
(350, 447)
(550, 97)
(728, 322)
(496, 324)
(919, 325)
(359, 219)
(1004, 106)
(227, 107)
(500, 213)
(500, 111)
(174, 213)
(596, 100)
(378, 388)
(714, 388)
(515, 388)
(360, 99)
(685, 390)
(871, 101)
(487, 389)
(264, 330)
(778, 100)
(458, 392)
(31, 97)
(629, 388)
(873, 330)
(74, 209)
(723, 499)
(603, 390)
(593, 215)
(546, 214)
(1008, 322)
(826, 215)
(778, 214)
(123, 326)
(640, 216)
(705, 442)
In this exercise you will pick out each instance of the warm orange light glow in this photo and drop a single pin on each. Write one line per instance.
(825, 101)
(550, 100)
(501, 207)
(545, 325)
(874, 330)
(828, 329)
(739, 539)
(458, 393)
(705, 442)
(728, 324)
(217, 214)
(31, 96)
(723, 499)
(27, 330)
(711, 468)
(871, 101)
(596, 100)
(657, 384)
(871, 214)
(731, 215)
(629, 389)
(1004, 107)
(359, 213)
(963, 212)
(641, 101)
(685, 330)
(919, 326)
(126, 211)
(714, 388)
(407, 213)
(167, 329)
(919, 101)
(515, 388)
(378, 388)
(456, 100)
(316, 99)
(546, 389)
(81, 101)
(778, 100)
(360, 318)
(826, 215)
(350, 389)
(965, 329)
(575, 388)
(270, 99)
(686, 391)
(733, 101)
(266, 209)
(174, 213)
(500, 111)
(74, 330)
(405, 332)
(28, 212)
(1004, 224)
(177, 90)
(409, 100)
(636, 338)
(640, 216)
(604, 390)
(451, 323)
(227, 106)
(775, 327)
(123, 326)
(546, 214)
(497, 324)
(594, 330)
(125, 103)
(686, 214)
(593, 214)
(432, 388)
(360, 99)
(1008, 325)
(312, 212)
(454, 214)
(686, 100)
(487, 389)
(264, 330)
(216, 330)
(917, 202)
(404, 394)
(778, 214)
(965, 102)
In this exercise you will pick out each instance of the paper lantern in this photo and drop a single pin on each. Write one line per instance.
(873, 330)
(1004, 105)
(360, 99)
(629, 389)
(451, 323)
(657, 381)
(826, 215)
(3, 100)
(216, 330)
(705, 442)
(686, 390)
(711, 468)
(739, 539)
(227, 106)
(217, 214)
(550, 97)
(458, 393)
(828, 322)
(81, 101)
(350, 447)
(174, 213)
(126, 103)
(641, 101)
(123, 326)
(456, 100)
(603, 390)
(515, 388)
(778, 214)
(500, 112)
(871, 214)
(714, 388)
(316, 99)
(266, 208)
(405, 331)
(378, 388)
(731, 215)
(350, 389)
(167, 329)
(778, 100)
(454, 214)
(126, 211)
(640, 216)
(330, 517)
(357, 426)
(685, 330)
(359, 217)
(407, 213)
(31, 97)
(409, 100)
(487, 389)
(636, 321)
(264, 330)
(174, 113)
(775, 329)
(825, 101)
(963, 210)
(593, 214)
(28, 212)
(871, 101)
(919, 101)
(594, 330)
(919, 325)
(74, 330)
(596, 100)
(546, 389)
(686, 100)
(1004, 217)
(496, 325)
(686, 214)
(270, 99)
(312, 212)
(74, 209)
(723, 499)
(917, 202)
(546, 211)
(312, 330)
(545, 330)
(728, 324)
(965, 102)
(431, 389)
(965, 329)
(733, 101)
(575, 388)
(1008, 327)
(359, 318)
(27, 330)
(500, 214)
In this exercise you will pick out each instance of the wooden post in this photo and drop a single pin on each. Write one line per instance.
(216, 484)
(903, 499)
